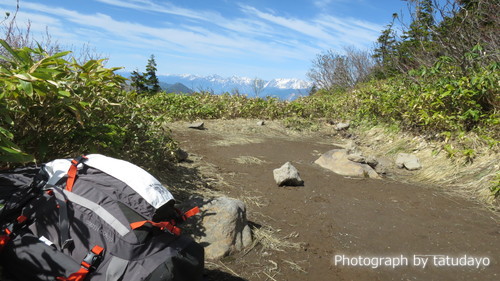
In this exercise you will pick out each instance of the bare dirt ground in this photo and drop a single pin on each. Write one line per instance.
(302, 229)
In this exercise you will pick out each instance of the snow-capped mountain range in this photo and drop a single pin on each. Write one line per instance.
(283, 88)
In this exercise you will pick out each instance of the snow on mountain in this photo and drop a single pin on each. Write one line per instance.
(281, 88)
(283, 83)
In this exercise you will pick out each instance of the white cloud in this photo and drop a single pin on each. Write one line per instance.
(250, 34)
(165, 8)
(326, 29)
(322, 3)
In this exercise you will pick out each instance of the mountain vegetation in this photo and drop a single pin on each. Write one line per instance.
(146, 82)
(177, 88)
(437, 77)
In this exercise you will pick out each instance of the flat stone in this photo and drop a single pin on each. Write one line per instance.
(197, 125)
(356, 158)
(342, 126)
(337, 161)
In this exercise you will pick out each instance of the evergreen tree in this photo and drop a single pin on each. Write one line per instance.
(423, 22)
(467, 34)
(146, 82)
(152, 80)
(417, 47)
(138, 82)
(385, 49)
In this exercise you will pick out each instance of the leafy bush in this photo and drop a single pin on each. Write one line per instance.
(209, 106)
(51, 107)
(436, 100)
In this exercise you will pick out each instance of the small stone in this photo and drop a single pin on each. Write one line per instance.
(246, 236)
(383, 165)
(287, 175)
(408, 161)
(342, 126)
(372, 161)
(197, 125)
(356, 158)
(180, 155)
(381, 169)
(261, 123)
(352, 148)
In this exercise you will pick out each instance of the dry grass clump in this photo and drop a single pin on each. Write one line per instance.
(246, 160)
(267, 237)
(466, 172)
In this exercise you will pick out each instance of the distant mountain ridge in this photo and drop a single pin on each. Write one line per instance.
(177, 88)
(282, 88)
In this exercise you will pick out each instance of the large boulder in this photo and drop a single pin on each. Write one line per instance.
(337, 160)
(408, 161)
(222, 226)
(287, 175)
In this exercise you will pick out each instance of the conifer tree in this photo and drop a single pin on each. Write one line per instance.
(138, 82)
(423, 23)
(151, 79)
(146, 82)
(417, 47)
(385, 49)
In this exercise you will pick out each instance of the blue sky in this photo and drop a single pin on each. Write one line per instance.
(256, 38)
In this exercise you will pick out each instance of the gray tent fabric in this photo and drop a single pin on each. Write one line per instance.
(107, 196)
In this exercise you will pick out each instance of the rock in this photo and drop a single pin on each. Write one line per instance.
(261, 123)
(180, 155)
(352, 148)
(372, 161)
(358, 158)
(381, 169)
(337, 161)
(342, 126)
(197, 125)
(408, 161)
(287, 175)
(222, 227)
(383, 165)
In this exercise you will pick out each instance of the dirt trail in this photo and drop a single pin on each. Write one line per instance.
(332, 215)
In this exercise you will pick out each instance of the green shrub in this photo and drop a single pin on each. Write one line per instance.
(435, 100)
(52, 108)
